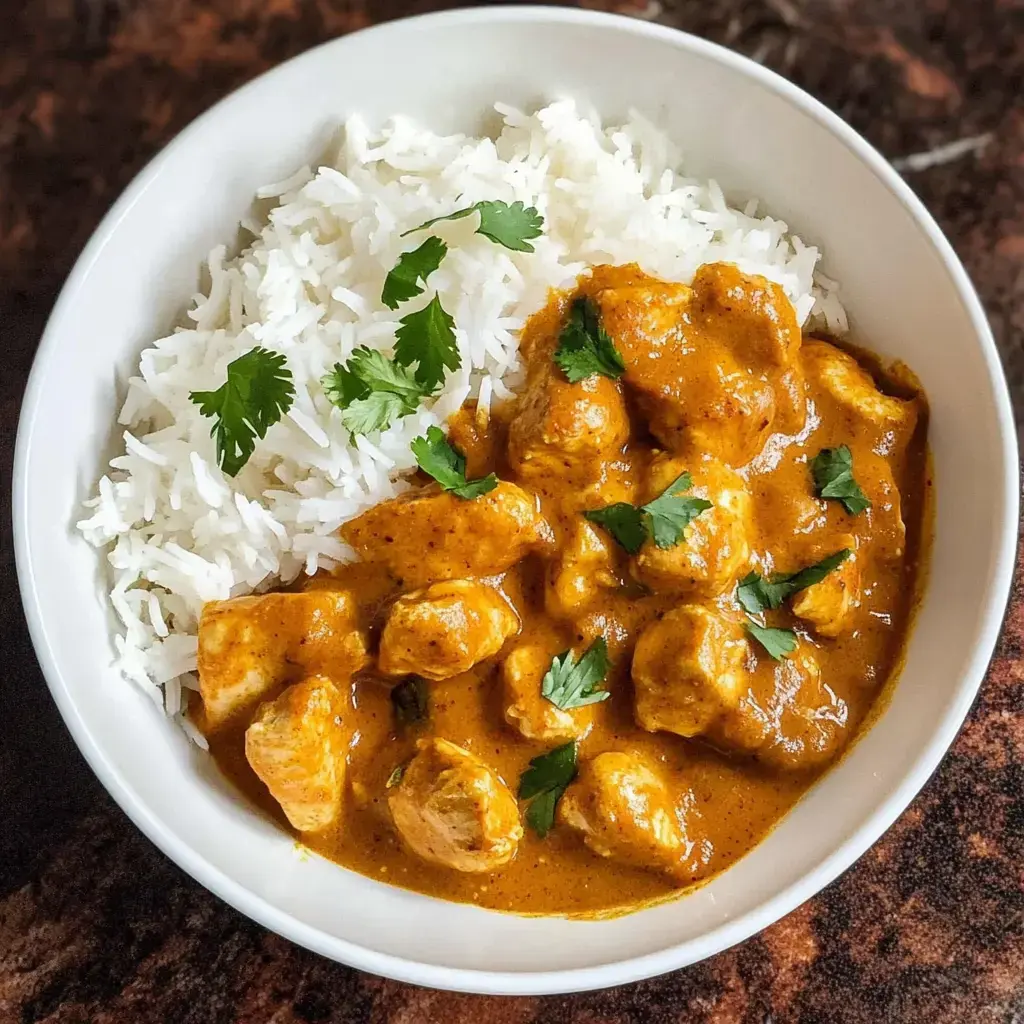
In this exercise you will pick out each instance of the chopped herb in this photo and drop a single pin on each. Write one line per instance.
(375, 412)
(624, 522)
(439, 458)
(257, 393)
(670, 514)
(574, 684)
(403, 282)
(756, 594)
(779, 643)
(427, 338)
(411, 701)
(663, 520)
(585, 347)
(544, 782)
(510, 226)
(372, 391)
(396, 776)
(343, 387)
(832, 469)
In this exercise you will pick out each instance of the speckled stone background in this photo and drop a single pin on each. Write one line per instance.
(97, 926)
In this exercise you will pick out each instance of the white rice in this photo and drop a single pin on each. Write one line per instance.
(180, 532)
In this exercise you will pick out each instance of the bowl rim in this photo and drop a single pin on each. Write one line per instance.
(672, 957)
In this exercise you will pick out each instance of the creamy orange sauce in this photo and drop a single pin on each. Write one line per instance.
(732, 794)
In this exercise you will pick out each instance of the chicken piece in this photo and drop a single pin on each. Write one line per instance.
(788, 718)
(562, 427)
(527, 710)
(429, 534)
(882, 525)
(296, 747)
(477, 436)
(886, 423)
(452, 810)
(715, 548)
(445, 629)
(688, 668)
(624, 810)
(713, 366)
(829, 605)
(249, 645)
(583, 569)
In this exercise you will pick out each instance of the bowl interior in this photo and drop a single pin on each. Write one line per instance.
(758, 137)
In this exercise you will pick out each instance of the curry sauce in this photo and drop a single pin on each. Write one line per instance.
(719, 384)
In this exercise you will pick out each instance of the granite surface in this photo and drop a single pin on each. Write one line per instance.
(97, 926)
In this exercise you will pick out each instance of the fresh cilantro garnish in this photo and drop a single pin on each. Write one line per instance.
(585, 347)
(779, 643)
(544, 782)
(258, 392)
(509, 226)
(670, 514)
(756, 594)
(403, 282)
(624, 522)
(396, 776)
(833, 478)
(663, 520)
(372, 391)
(573, 684)
(438, 458)
(411, 701)
(427, 338)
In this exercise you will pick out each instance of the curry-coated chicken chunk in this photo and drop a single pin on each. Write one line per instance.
(526, 709)
(829, 606)
(429, 534)
(562, 427)
(296, 746)
(452, 809)
(712, 366)
(688, 668)
(789, 717)
(250, 645)
(625, 811)
(583, 569)
(715, 547)
(886, 422)
(445, 629)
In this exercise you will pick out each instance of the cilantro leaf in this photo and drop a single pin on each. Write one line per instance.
(663, 520)
(439, 458)
(375, 412)
(343, 387)
(573, 684)
(410, 700)
(427, 338)
(779, 643)
(544, 782)
(756, 594)
(624, 522)
(412, 267)
(585, 347)
(257, 393)
(669, 514)
(509, 226)
(396, 776)
(378, 373)
(833, 478)
(372, 391)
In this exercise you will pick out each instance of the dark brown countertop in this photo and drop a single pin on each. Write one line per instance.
(97, 926)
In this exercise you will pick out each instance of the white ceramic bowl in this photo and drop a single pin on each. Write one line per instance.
(757, 135)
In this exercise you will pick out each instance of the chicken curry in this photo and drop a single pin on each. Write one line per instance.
(633, 617)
